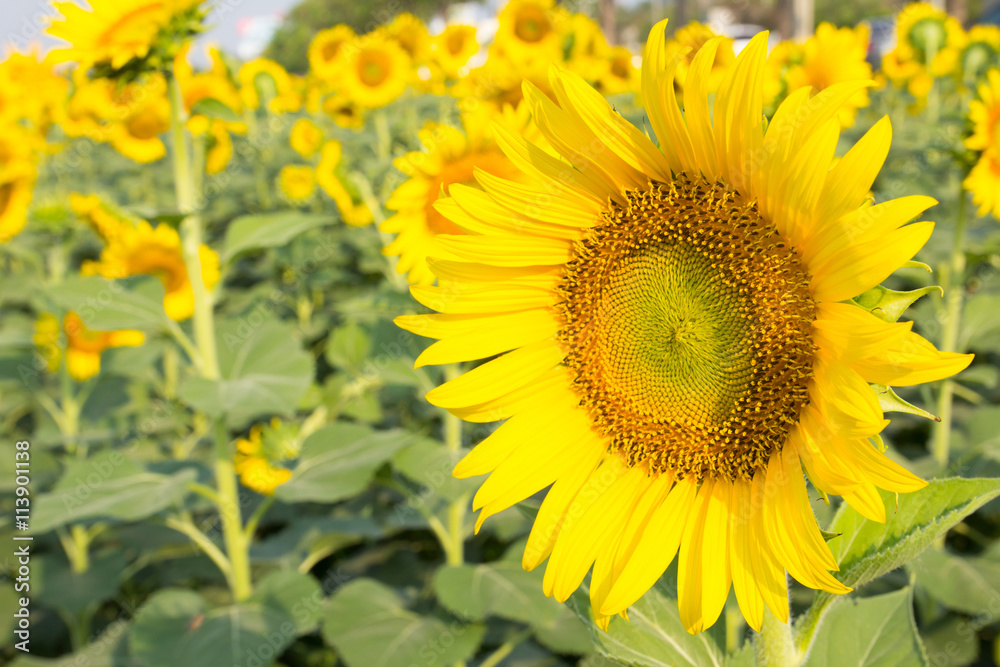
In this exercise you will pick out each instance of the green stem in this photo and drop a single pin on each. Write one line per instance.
(171, 362)
(229, 511)
(774, 646)
(186, 526)
(456, 511)
(949, 337)
(505, 649)
(236, 545)
(259, 168)
(383, 135)
(255, 518)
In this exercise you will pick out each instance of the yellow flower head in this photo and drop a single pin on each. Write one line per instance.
(114, 33)
(452, 158)
(619, 75)
(376, 70)
(259, 456)
(984, 112)
(15, 197)
(984, 182)
(670, 334)
(411, 35)
(29, 90)
(326, 52)
(329, 178)
(344, 112)
(499, 81)
(138, 115)
(692, 38)
(298, 182)
(306, 138)
(833, 55)
(975, 55)
(138, 248)
(263, 78)
(83, 345)
(452, 49)
(925, 35)
(529, 30)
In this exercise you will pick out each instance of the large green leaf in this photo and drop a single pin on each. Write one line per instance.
(107, 486)
(339, 460)
(869, 632)
(108, 305)
(178, 627)
(110, 649)
(866, 549)
(368, 625)
(502, 588)
(59, 587)
(264, 372)
(429, 463)
(970, 585)
(268, 230)
(653, 636)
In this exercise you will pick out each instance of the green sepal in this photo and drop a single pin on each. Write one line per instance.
(889, 305)
(827, 536)
(914, 264)
(891, 402)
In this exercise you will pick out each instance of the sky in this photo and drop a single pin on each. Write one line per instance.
(22, 22)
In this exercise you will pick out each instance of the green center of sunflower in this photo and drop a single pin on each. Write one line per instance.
(688, 321)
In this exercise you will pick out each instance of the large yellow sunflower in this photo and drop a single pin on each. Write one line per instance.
(376, 70)
(452, 157)
(676, 335)
(452, 49)
(530, 30)
(114, 32)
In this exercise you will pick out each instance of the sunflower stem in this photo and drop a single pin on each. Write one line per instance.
(233, 536)
(775, 646)
(955, 288)
(383, 135)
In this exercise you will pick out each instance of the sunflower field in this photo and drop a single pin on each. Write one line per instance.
(511, 350)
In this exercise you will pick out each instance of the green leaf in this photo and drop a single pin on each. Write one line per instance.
(891, 402)
(107, 486)
(213, 108)
(869, 632)
(109, 305)
(653, 636)
(429, 462)
(338, 461)
(264, 372)
(177, 627)
(348, 347)
(970, 585)
(889, 305)
(867, 550)
(62, 588)
(268, 230)
(502, 588)
(110, 649)
(368, 625)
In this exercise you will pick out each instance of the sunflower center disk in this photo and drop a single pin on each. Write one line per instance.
(688, 320)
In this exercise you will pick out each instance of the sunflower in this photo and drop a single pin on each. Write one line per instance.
(411, 35)
(832, 55)
(688, 40)
(452, 49)
(530, 30)
(15, 197)
(83, 345)
(498, 81)
(376, 70)
(620, 74)
(925, 35)
(298, 182)
(134, 247)
(676, 335)
(260, 455)
(139, 115)
(263, 78)
(306, 138)
(452, 157)
(115, 33)
(30, 90)
(326, 51)
(329, 178)
(344, 112)
(984, 179)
